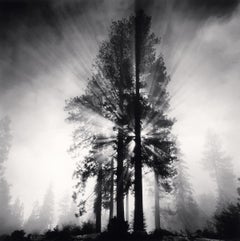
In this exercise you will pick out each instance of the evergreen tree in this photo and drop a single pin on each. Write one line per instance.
(17, 215)
(158, 144)
(32, 223)
(187, 212)
(219, 165)
(108, 90)
(46, 215)
(117, 92)
(67, 211)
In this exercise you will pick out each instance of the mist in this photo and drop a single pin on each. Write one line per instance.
(48, 50)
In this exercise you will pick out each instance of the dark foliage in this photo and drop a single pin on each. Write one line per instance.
(228, 222)
(17, 235)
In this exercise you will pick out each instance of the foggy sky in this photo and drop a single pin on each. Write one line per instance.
(47, 50)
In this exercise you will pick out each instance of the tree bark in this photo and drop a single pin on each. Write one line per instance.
(157, 207)
(98, 208)
(138, 212)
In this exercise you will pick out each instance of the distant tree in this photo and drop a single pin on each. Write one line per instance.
(67, 211)
(5, 208)
(5, 142)
(46, 214)
(32, 223)
(219, 165)
(5, 197)
(17, 215)
(187, 212)
(207, 206)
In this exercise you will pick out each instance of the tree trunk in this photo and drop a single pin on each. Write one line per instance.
(111, 191)
(157, 207)
(120, 147)
(120, 190)
(138, 212)
(98, 207)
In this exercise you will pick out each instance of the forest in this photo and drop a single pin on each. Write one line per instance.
(131, 179)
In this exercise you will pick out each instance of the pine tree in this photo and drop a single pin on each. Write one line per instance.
(67, 211)
(32, 223)
(117, 92)
(46, 215)
(187, 211)
(219, 166)
(17, 215)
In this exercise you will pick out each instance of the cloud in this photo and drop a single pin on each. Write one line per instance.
(195, 9)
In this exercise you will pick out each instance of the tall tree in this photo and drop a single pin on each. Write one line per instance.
(108, 90)
(116, 92)
(150, 107)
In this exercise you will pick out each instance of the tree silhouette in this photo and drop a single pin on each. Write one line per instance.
(132, 95)
(108, 92)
